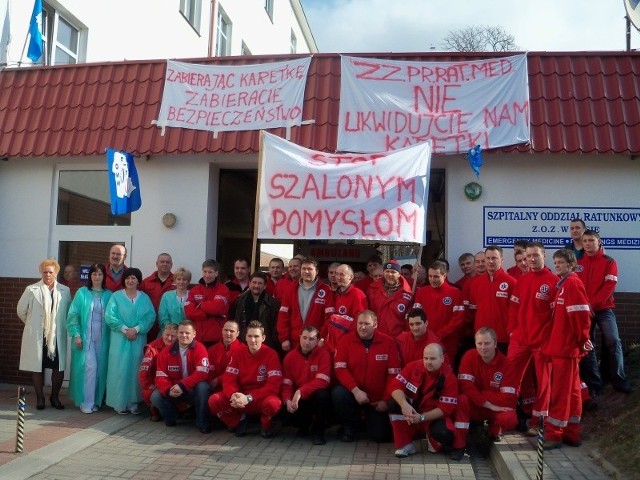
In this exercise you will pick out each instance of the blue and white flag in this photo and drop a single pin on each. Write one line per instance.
(35, 32)
(124, 185)
(475, 159)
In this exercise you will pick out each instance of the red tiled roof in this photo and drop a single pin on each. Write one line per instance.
(581, 102)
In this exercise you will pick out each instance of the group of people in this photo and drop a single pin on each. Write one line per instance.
(390, 355)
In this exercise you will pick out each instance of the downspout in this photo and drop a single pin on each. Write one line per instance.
(212, 28)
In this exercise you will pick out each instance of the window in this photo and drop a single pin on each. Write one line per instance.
(61, 38)
(294, 42)
(83, 199)
(191, 10)
(223, 34)
(245, 50)
(268, 6)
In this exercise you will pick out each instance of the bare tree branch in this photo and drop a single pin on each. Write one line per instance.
(480, 39)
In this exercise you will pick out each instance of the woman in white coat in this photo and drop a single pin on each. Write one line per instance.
(89, 341)
(43, 310)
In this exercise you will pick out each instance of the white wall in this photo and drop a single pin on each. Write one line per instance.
(153, 29)
(539, 181)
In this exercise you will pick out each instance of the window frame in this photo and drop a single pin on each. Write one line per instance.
(268, 7)
(191, 11)
(51, 18)
(223, 32)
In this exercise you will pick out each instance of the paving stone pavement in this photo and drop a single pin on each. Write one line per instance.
(66, 444)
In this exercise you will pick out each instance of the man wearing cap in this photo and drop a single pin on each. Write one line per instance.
(390, 298)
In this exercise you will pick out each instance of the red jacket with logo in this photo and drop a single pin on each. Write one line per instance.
(169, 368)
(147, 371)
(153, 287)
(491, 381)
(444, 309)
(599, 274)
(207, 307)
(371, 368)
(283, 286)
(428, 390)
(219, 358)
(411, 349)
(259, 375)
(307, 373)
(530, 311)
(391, 310)
(489, 302)
(346, 307)
(290, 321)
(571, 320)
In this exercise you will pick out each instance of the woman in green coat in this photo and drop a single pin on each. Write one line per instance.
(130, 315)
(89, 341)
(172, 303)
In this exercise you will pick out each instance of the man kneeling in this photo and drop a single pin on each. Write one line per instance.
(181, 377)
(424, 396)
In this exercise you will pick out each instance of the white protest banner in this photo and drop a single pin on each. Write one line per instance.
(230, 98)
(315, 195)
(387, 104)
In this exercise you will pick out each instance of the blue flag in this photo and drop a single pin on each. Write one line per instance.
(124, 185)
(35, 32)
(475, 159)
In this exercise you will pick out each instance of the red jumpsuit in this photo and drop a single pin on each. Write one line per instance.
(411, 349)
(346, 307)
(444, 309)
(282, 287)
(489, 302)
(421, 387)
(369, 369)
(147, 371)
(290, 322)
(391, 310)
(219, 358)
(155, 288)
(479, 381)
(305, 373)
(207, 307)
(530, 315)
(569, 333)
(258, 374)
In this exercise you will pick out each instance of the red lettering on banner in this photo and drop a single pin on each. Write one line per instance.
(378, 71)
(351, 222)
(505, 113)
(328, 159)
(434, 99)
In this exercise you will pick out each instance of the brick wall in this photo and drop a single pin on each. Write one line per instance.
(628, 316)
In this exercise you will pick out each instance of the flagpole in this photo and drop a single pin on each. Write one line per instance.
(256, 211)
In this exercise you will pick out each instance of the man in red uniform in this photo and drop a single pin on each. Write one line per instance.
(208, 304)
(487, 387)
(348, 302)
(411, 344)
(250, 385)
(364, 362)
(156, 284)
(599, 274)
(331, 276)
(390, 298)
(181, 377)
(567, 343)
(220, 354)
(467, 266)
(239, 283)
(530, 315)
(489, 297)
(443, 306)
(276, 270)
(147, 372)
(290, 278)
(519, 247)
(424, 397)
(305, 386)
(116, 267)
(305, 304)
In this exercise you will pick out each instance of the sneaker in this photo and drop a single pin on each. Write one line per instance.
(497, 438)
(266, 433)
(86, 410)
(154, 418)
(408, 449)
(135, 410)
(241, 429)
(348, 435)
(551, 444)
(95, 408)
(457, 454)
(426, 445)
(123, 412)
(318, 439)
(532, 432)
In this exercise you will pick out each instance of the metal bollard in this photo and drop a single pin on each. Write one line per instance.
(540, 463)
(20, 426)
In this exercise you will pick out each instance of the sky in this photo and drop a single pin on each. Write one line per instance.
(359, 26)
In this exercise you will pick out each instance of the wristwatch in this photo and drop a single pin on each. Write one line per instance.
(249, 399)
(422, 418)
